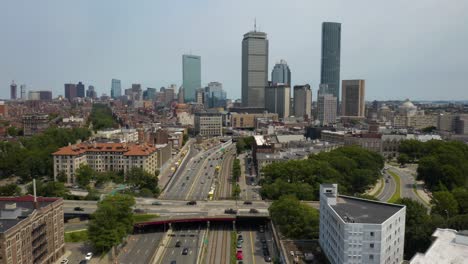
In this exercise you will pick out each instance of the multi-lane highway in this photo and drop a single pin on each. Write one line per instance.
(183, 245)
(140, 248)
(218, 244)
(389, 188)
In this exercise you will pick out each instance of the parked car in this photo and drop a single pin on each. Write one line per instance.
(239, 255)
(239, 244)
(89, 256)
(64, 261)
(240, 238)
(192, 203)
(78, 208)
(267, 258)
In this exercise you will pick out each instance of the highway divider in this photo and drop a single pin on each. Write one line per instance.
(159, 253)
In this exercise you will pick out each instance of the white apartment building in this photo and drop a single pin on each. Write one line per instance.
(104, 157)
(209, 124)
(354, 230)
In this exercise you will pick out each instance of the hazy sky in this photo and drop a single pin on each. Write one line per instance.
(416, 49)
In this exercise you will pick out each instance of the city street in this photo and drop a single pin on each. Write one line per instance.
(407, 184)
(389, 188)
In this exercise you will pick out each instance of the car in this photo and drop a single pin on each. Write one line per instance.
(386, 180)
(239, 255)
(253, 211)
(187, 178)
(264, 246)
(247, 202)
(89, 256)
(185, 251)
(139, 211)
(173, 262)
(64, 261)
(192, 203)
(78, 208)
(261, 229)
(266, 252)
(267, 258)
(230, 211)
(211, 165)
(240, 238)
(178, 243)
(156, 203)
(291, 253)
(83, 261)
(263, 240)
(239, 244)
(240, 262)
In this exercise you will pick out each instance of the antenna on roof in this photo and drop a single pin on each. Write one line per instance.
(34, 192)
(255, 24)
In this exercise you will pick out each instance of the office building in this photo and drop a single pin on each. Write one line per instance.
(215, 96)
(354, 230)
(281, 73)
(352, 98)
(31, 230)
(326, 106)
(13, 90)
(136, 92)
(330, 64)
(23, 92)
(35, 123)
(80, 90)
(191, 76)
(149, 94)
(169, 95)
(208, 124)
(180, 95)
(40, 95)
(249, 120)
(302, 101)
(91, 93)
(448, 247)
(116, 89)
(254, 68)
(70, 91)
(277, 99)
(461, 124)
(103, 157)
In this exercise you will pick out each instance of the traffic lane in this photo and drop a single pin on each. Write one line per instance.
(407, 184)
(389, 188)
(140, 248)
(188, 238)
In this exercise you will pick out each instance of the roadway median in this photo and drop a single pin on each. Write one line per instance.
(397, 193)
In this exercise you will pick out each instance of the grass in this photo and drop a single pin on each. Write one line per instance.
(76, 236)
(233, 247)
(139, 218)
(420, 198)
(397, 194)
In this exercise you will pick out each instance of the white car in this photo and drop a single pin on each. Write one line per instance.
(64, 261)
(89, 255)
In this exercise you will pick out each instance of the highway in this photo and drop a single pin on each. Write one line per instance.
(407, 184)
(389, 188)
(218, 244)
(140, 248)
(187, 238)
(224, 186)
(252, 247)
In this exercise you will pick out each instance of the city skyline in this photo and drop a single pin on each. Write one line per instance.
(375, 46)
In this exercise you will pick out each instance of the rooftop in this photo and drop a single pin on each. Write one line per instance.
(448, 247)
(127, 149)
(24, 205)
(357, 210)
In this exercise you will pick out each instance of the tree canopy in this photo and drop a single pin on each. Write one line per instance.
(10, 190)
(295, 219)
(111, 222)
(139, 179)
(352, 167)
(101, 117)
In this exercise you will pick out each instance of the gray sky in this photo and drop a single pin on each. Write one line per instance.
(415, 49)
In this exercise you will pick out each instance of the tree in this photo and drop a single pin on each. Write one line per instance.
(429, 129)
(295, 219)
(403, 159)
(111, 222)
(236, 190)
(62, 176)
(93, 195)
(139, 179)
(10, 190)
(101, 117)
(49, 189)
(459, 222)
(444, 204)
(84, 175)
(461, 195)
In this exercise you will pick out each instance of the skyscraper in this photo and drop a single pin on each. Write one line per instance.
(13, 90)
(281, 73)
(91, 93)
(277, 99)
(326, 106)
(215, 96)
(70, 91)
(254, 68)
(116, 89)
(23, 92)
(191, 76)
(80, 90)
(302, 101)
(352, 98)
(330, 65)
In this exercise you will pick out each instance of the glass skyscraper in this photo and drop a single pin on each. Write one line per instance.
(254, 68)
(116, 89)
(281, 73)
(331, 49)
(191, 79)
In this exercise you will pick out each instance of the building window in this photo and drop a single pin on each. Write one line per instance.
(371, 256)
(371, 234)
(371, 245)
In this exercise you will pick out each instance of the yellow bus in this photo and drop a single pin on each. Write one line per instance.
(218, 168)
(211, 194)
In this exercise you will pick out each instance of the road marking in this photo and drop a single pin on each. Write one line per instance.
(252, 246)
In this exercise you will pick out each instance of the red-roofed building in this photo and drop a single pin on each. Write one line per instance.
(104, 157)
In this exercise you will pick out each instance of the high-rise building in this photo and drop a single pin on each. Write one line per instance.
(254, 68)
(40, 95)
(70, 91)
(116, 88)
(91, 93)
(136, 92)
(200, 96)
(208, 124)
(80, 90)
(326, 106)
(180, 95)
(23, 92)
(352, 98)
(330, 65)
(302, 101)
(149, 94)
(355, 230)
(13, 90)
(215, 96)
(281, 73)
(191, 76)
(277, 99)
(169, 94)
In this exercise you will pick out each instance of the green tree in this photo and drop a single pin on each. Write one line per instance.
(62, 176)
(236, 190)
(444, 203)
(459, 222)
(10, 190)
(429, 129)
(93, 195)
(295, 219)
(138, 179)
(461, 195)
(403, 159)
(111, 222)
(101, 117)
(84, 175)
(49, 189)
